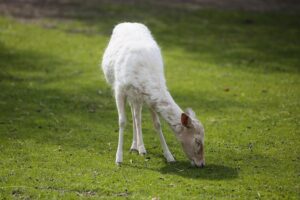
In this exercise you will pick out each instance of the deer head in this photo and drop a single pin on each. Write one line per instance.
(191, 136)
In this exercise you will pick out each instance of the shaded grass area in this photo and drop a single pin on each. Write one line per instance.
(58, 124)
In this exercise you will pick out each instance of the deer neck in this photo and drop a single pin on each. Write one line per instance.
(165, 105)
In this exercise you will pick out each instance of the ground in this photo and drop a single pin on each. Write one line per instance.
(237, 68)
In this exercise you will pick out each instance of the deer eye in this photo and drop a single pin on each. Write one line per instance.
(198, 141)
(198, 147)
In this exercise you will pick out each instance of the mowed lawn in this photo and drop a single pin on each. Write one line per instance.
(58, 121)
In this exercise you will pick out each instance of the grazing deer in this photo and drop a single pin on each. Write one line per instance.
(133, 66)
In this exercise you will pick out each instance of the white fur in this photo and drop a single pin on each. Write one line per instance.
(133, 66)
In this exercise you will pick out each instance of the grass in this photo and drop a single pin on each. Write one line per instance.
(58, 123)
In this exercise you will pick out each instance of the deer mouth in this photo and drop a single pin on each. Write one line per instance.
(197, 164)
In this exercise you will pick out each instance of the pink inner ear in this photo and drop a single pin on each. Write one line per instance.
(184, 119)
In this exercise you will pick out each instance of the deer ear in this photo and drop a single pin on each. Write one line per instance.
(186, 120)
(190, 112)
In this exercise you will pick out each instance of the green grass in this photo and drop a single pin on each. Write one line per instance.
(58, 122)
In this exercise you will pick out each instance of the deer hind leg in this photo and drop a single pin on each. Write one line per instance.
(134, 146)
(137, 120)
(163, 143)
(120, 101)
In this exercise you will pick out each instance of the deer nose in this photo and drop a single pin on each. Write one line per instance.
(200, 165)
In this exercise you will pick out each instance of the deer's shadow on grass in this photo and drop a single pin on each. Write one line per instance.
(210, 171)
(184, 169)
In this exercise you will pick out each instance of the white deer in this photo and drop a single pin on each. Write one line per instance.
(133, 66)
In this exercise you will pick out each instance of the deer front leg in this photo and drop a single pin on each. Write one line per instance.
(134, 146)
(137, 108)
(163, 143)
